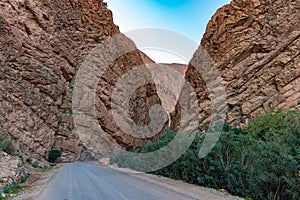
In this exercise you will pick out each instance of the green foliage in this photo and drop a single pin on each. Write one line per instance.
(6, 190)
(40, 170)
(7, 146)
(52, 164)
(24, 178)
(260, 163)
(13, 189)
(273, 124)
(28, 160)
(53, 155)
(126, 160)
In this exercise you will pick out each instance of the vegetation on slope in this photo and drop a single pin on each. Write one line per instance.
(7, 146)
(260, 162)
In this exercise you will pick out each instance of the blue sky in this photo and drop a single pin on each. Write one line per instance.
(187, 17)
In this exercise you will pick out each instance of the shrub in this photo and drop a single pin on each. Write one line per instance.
(7, 146)
(272, 124)
(6, 190)
(125, 159)
(24, 178)
(29, 160)
(260, 163)
(52, 164)
(53, 155)
(13, 189)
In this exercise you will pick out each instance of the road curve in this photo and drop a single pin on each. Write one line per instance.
(87, 181)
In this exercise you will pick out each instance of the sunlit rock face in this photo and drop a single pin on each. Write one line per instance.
(43, 45)
(255, 46)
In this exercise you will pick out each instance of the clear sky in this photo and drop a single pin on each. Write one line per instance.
(188, 17)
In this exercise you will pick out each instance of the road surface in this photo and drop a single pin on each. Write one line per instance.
(87, 181)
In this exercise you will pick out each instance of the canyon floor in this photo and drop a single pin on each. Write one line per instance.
(87, 180)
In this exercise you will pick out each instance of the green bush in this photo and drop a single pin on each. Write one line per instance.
(6, 190)
(13, 189)
(125, 159)
(273, 124)
(29, 160)
(260, 163)
(24, 178)
(53, 155)
(7, 146)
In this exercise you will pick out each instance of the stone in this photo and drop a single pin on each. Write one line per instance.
(255, 46)
(11, 170)
(42, 46)
(104, 161)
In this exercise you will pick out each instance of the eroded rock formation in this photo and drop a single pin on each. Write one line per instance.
(42, 46)
(11, 170)
(255, 45)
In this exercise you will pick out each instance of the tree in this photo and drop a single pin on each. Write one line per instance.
(53, 155)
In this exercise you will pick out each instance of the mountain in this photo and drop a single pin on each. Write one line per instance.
(42, 46)
(254, 47)
(250, 51)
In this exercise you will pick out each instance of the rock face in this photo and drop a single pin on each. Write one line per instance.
(11, 170)
(42, 45)
(255, 45)
(169, 81)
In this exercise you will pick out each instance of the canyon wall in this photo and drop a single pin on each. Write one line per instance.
(42, 46)
(12, 170)
(255, 46)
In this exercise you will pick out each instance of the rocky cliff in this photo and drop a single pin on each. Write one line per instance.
(11, 170)
(42, 45)
(255, 45)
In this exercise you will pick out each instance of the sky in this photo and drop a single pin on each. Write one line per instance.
(186, 17)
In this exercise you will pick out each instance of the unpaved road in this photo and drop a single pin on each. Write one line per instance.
(87, 181)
